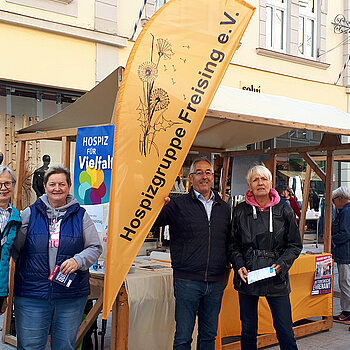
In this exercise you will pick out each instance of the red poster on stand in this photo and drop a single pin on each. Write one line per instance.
(323, 275)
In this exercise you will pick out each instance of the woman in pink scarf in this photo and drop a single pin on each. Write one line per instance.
(264, 235)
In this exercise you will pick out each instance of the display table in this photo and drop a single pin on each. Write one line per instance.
(151, 308)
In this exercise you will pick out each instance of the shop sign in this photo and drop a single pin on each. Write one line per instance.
(247, 86)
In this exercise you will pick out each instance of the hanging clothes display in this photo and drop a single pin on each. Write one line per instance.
(295, 183)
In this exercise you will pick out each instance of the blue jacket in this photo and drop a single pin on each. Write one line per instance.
(10, 232)
(32, 269)
(341, 236)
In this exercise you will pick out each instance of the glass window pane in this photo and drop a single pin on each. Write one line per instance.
(2, 103)
(269, 42)
(301, 36)
(23, 105)
(310, 37)
(159, 4)
(307, 5)
(279, 29)
(49, 108)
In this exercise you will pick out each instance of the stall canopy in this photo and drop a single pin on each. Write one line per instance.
(235, 117)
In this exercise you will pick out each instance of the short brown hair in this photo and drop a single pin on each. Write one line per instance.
(58, 169)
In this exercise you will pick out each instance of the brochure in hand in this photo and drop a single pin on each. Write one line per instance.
(61, 278)
(260, 274)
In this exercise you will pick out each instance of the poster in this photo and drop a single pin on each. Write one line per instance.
(93, 164)
(323, 275)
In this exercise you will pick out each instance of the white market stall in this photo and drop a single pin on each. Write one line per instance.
(235, 118)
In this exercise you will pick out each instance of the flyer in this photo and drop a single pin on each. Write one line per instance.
(260, 274)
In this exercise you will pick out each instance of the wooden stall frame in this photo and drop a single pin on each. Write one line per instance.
(120, 319)
(120, 310)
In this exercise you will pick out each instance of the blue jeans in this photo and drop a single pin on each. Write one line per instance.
(194, 298)
(282, 321)
(35, 318)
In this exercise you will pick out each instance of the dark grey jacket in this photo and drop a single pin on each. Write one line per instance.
(253, 246)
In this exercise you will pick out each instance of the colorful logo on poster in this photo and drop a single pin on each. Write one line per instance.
(93, 164)
(92, 188)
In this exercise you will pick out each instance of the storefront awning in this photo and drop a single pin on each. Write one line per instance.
(235, 117)
(238, 117)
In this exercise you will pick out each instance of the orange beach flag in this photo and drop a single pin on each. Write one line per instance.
(172, 74)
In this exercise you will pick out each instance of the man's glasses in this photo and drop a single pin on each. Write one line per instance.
(202, 173)
(7, 185)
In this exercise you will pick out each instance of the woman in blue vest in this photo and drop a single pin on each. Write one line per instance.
(56, 233)
(10, 222)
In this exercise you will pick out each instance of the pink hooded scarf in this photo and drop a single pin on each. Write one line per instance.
(275, 199)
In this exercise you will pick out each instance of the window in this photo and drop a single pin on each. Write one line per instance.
(159, 4)
(294, 30)
(276, 11)
(66, 7)
(307, 29)
(19, 99)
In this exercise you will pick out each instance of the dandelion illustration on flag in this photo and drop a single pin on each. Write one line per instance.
(155, 100)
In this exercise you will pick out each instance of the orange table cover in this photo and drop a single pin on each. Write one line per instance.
(304, 304)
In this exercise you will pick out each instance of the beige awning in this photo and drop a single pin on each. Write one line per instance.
(235, 117)
(93, 108)
(302, 174)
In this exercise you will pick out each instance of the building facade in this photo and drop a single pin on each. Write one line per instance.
(58, 49)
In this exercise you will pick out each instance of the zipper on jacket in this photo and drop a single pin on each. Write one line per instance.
(48, 258)
(271, 234)
(209, 243)
(207, 268)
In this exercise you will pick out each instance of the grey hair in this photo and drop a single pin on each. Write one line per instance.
(342, 192)
(260, 170)
(4, 168)
(197, 160)
(58, 169)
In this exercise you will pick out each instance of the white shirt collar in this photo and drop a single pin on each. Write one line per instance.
(199, 195)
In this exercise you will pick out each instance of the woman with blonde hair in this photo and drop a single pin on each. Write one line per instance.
(264, 234)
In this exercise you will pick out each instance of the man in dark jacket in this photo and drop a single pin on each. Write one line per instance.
(341, 249)
(199, 228)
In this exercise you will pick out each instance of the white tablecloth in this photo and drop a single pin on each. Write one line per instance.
(151, 308)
